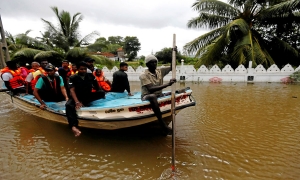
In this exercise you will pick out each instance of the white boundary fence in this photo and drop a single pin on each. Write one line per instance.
(227, 74)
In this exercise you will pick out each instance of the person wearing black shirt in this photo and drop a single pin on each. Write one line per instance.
(120, 80)
(65, 73)
(81, 85)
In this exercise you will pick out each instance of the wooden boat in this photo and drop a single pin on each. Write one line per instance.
(116, 111)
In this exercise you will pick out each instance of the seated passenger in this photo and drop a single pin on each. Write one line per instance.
(102, 81)
(90, 63)
(12, 78)
(120, 80)
(65, 72)
(50, 88)
(34, 67)
(34, 76)
(24, 70)
(81, 85)
(73, 69)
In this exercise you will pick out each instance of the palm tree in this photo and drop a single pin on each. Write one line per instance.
(23, 40)
(235, 37)
(66, 34)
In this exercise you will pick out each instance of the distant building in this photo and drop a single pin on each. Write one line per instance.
(120, 54)
(108, 55)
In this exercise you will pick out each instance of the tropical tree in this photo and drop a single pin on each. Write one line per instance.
(235, 37)
(28, 55)
(116, 40)
(131, 46)
(165, 55)
(66, 34)
(23, 40)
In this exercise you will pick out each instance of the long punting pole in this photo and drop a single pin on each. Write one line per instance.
(3, 46)
(173, 101)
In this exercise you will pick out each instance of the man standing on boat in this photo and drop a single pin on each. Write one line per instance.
(120, 80)
(152, 85)
(81, 85)
(50, 88)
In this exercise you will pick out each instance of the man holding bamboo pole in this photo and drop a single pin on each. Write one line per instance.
(152, 85)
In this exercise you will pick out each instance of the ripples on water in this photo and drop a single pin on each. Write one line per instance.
(236, 131)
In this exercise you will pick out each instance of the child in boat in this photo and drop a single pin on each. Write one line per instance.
(102, 81)
(81, 85)
(152, 85)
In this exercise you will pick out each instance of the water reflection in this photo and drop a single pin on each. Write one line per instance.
(236, 131)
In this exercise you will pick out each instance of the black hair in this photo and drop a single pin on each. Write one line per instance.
(82, 63)
(43, 60)
(122, 64)
(11, 65)
(88, 59)
(22, 63)
(65, 61)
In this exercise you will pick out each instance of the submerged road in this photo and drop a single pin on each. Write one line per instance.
(236, 131)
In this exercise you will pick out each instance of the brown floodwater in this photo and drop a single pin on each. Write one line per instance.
(236, 131)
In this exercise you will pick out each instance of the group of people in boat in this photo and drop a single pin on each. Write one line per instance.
(82, 83)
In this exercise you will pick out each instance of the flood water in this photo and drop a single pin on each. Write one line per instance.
(236, 131)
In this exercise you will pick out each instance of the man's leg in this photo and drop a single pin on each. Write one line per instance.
(155, 107)
(19, 91)
(72, 117)
(96, 95)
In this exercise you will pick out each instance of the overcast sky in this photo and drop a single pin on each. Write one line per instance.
(152, 22)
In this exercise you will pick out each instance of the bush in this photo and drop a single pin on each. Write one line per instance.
(101, 61)
(142, 62)
(295, 76)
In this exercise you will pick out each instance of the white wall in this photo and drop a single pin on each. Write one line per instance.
(227, 74)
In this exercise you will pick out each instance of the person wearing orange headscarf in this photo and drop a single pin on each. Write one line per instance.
(103, 83)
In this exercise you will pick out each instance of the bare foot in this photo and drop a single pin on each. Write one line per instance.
(76, 131)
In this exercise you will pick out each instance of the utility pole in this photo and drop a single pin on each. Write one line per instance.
(3, 46)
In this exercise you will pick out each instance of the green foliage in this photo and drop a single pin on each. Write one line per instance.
(96, 47)
(112, 48)
(53, 57)
(165, 55)
(20, 41)
(241, 31)
(142, 57)
(76, 55)
(131, 46)
(116, 40)
(295, 76)
(101, 61)
(66, 34)
(189, 60)
(25, 55)
(142, 62)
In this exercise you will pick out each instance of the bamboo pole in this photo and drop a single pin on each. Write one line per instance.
(3, 46)
(173, 101)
